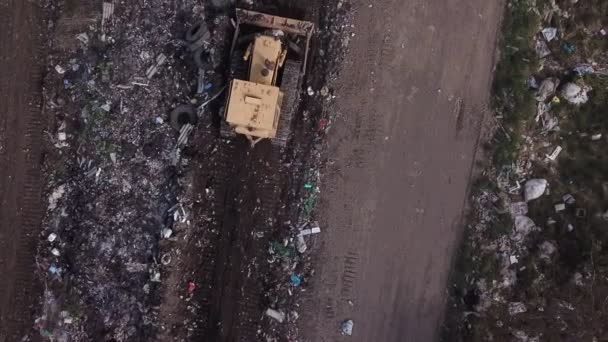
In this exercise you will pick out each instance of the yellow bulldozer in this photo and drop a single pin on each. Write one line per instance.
(268, 61)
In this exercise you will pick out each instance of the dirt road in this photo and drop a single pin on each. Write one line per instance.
(412, 96)
(20, 139)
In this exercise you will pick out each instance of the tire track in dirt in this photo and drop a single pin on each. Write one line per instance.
(20, 187)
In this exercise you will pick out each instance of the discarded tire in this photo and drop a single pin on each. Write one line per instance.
(196, 32)
(199, 58)
(182, 115)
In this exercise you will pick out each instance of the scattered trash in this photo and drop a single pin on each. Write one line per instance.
(307, 186)
(546, 89)
(301, 244)
(309, 231)
(83, 38)
(542, 49)
(575, 94)
(279, 316)
(556, 151)
(570, 227)
(568, 47)
(295, 280)
(52, 237)
(534, 188)
(513, 259)
(160, 60)
(60, 70)
(580, 212)
(165, 259)
(324, 91)
(560, 207)
(107, 12)
(54, 270)
(106, 107)
(519, 209)
(596, 137)
(155, 277)
(347, 327)
(310, 91)
(55, 252)
(584, 69)
(523, 225)
(166, 233)
(517, 308)
(568, 199)
(191, 287)
(549, 33)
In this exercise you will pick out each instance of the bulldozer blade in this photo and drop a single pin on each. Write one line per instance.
(293, 26)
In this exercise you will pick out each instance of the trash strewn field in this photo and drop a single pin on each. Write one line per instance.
(157, 233)
(533, 262)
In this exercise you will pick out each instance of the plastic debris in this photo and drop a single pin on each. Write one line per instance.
(575, 94)
(191, 287)
(568, 199)
(310, 231)
(55, 252)
(546, 89)
(83, 38)
(166, 233)
(546, 250)
(549, 33)
(568, 47)
(556, 151)
(279, 316)
(52, 237)
(513, 259)
(165, 259)
(54, 270)
(524, 224)
(347, 327)
(518, 209)
(534, 188)
(596, 137)
(310, 91)
(301, 244)
(160, 60)
(560, 207)
(295, 280)
(155, 277)
(584, 69)
(60, 70)
(517, 308)
(542, 49)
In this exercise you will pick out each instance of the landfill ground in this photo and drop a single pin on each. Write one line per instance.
(144, 240)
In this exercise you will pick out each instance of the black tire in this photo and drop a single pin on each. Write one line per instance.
(290, 86)
(199, 57)
(182, 115)
(196, 32)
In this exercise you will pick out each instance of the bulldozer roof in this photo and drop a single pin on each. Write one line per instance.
(253, 105)
(293, 26)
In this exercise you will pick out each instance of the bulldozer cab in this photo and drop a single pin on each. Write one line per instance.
(255, 105)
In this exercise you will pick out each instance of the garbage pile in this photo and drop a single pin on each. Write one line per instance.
(110, 167)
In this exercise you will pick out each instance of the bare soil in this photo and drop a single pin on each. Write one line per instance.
(20, 153)
(412, 98)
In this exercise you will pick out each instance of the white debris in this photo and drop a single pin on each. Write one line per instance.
(52, 237)
(523, 226)
(513, 259)
(155, 277)
(113, 157)
(61, 136)
(83, 38)
(556, 151)
(596, 137)
(518, 209)
(542, 49)
(166, 233)
(106, 107)
(159, 120)
(60, 70)
(575, 94)
(310, 91)
(55, 252)
(534, 188)
(152, 70)
(517, 308)
(347, 327)
(301, 244)
(309, 231)
(56, 196)
(549, 33)
(279, 316)
(560, 207)
(107, 12)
